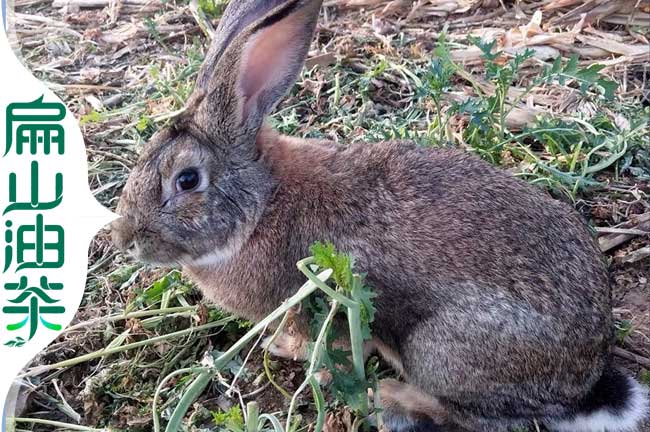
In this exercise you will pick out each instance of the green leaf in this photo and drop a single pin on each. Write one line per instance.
(623, 329)
(587, 78)
(572, 65)
(232, 420)
(609, 87)
(213, 8)
(364, 296)
(326, 256)
(644, 377)
(143, 123)
(91, 117)
(486, 48)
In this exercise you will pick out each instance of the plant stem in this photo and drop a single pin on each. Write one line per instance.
(378, 408)
(319, 400)
(253, 414)
(156, 396)
(57, 424)
(204, 23)
(304, 292)
(303, 266)
(277, 426)
(356, 340)
(193, 392)
(441, 132)
(139, 314)
(106, 352)
(266, 361)
(314, 361)
(354, 322)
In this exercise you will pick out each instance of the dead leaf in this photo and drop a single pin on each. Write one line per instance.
(613, 46)
(120, 34)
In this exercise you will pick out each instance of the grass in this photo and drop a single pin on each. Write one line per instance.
(587, 143)
(562, 153)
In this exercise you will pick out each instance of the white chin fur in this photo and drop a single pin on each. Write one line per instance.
(210, 259)
(637, 409)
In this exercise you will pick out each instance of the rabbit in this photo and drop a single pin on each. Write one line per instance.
(493, 301)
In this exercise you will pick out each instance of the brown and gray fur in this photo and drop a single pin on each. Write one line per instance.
(492, 297)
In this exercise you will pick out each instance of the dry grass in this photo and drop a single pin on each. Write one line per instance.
(123, 66)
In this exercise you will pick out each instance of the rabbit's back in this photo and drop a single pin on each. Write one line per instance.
(419, 216)
(452, 217)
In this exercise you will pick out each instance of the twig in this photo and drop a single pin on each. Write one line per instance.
(100, 3)
(110, 155)
(204, 23)
(636, 255)
(631, 231)
(640, 223)
(623, 353)
(66, 408)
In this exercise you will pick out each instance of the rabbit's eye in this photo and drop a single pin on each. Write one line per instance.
(187, 180)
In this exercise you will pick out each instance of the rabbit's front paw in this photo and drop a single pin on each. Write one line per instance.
(287, 345)
(324, 377)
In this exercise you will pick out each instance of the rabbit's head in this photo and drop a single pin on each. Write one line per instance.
(201, 185)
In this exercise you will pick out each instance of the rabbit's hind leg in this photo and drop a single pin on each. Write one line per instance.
(405, 408)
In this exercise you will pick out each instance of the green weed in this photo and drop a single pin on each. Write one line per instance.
(565, 154)
(213, 8)
(349, 388)
(232, 420)
(644, 377)
(623, 330)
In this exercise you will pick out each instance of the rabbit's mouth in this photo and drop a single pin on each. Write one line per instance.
(167, 247)
(144, 244)
(156, 254)
(149, 247)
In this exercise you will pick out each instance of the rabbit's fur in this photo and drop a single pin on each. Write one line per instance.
(492, 296)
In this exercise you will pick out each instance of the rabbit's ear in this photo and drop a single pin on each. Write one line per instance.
(255, 59)
(239, 15)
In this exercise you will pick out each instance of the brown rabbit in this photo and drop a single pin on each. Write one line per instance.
(493, 300)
